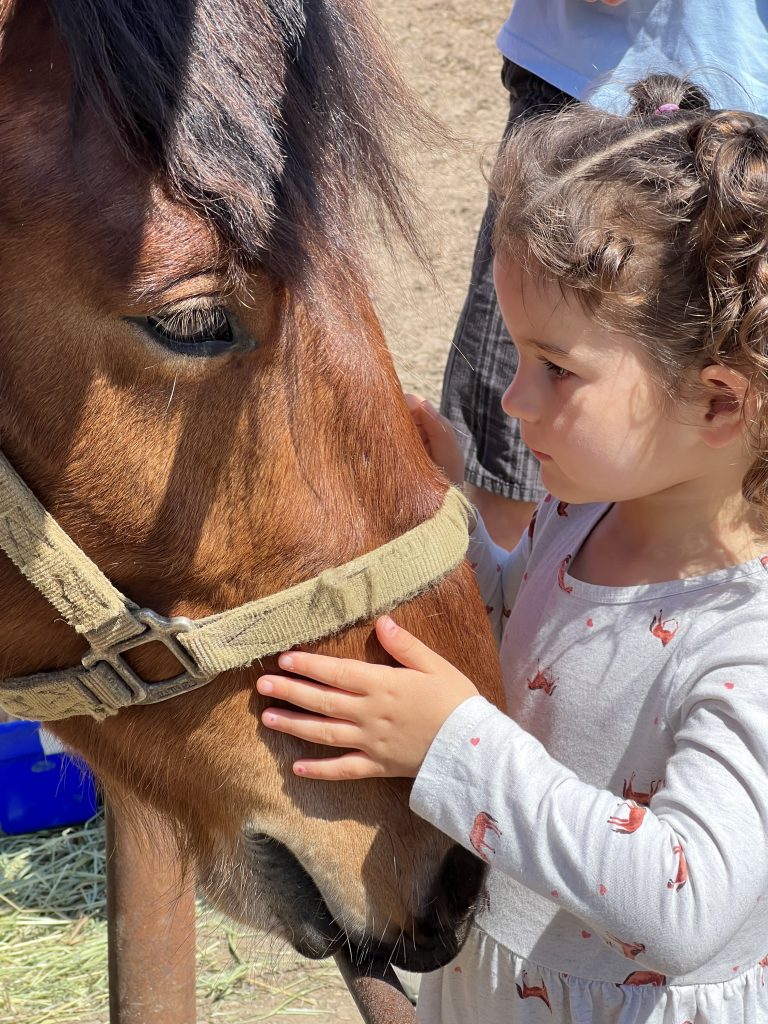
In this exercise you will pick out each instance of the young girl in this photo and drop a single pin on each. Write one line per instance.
(623, 802)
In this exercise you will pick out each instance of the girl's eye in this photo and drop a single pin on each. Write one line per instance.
(196, 330)
(557, 371)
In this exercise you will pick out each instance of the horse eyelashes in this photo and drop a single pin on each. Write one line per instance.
(193, 326)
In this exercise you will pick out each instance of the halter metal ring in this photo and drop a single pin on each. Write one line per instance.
(160, 629)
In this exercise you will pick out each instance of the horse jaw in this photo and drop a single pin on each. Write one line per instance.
(320, 864)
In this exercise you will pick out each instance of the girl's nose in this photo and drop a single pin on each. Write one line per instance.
(518, 401)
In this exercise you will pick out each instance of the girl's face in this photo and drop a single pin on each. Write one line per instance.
(590, 410)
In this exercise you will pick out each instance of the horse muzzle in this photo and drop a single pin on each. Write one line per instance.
(269, 887)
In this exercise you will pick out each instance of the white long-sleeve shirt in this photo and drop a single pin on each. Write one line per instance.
(623, 801)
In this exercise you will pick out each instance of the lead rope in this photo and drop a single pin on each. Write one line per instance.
(104, 683)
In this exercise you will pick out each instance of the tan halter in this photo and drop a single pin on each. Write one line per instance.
(112, 624)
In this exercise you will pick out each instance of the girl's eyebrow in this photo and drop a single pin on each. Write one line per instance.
(546, 346)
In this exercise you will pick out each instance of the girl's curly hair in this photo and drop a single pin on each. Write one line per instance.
(658, 221)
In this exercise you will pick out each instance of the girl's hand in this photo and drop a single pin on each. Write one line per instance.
(387, 716)
(439, 438)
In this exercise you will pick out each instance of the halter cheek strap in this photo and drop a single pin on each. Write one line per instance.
(112, 624)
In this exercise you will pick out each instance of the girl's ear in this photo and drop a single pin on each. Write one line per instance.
(724, 399)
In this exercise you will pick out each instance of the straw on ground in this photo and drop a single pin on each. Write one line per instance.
(53, 958)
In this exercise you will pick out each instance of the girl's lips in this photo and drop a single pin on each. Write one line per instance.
(541, 456)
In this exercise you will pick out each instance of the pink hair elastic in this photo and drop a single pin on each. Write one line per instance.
(666, 108)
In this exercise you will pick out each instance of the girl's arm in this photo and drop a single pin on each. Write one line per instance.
(672, 883)
(667, 885)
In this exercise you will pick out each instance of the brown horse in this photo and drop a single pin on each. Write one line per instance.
(194, 383)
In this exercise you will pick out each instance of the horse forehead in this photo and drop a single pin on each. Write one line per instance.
(35, 84)
(114, 229)
(76, 188)
(171, 242)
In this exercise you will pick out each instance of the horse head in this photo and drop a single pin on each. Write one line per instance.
(194, 384)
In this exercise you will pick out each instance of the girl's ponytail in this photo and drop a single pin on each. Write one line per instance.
(657, 91)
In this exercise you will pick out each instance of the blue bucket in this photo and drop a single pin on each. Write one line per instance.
(40, 785)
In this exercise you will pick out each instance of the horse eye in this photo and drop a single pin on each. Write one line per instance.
(202, 330)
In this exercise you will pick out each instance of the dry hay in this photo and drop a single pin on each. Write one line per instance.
(53, 954)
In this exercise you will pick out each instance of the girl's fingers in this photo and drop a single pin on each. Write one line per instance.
(416, 409)
(413, 401)
(344, 674)
(323, 700)
(356, 678)
(328, 732)
(355, 765)
(406, 649)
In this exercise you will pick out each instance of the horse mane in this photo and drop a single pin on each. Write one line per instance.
(275, 119)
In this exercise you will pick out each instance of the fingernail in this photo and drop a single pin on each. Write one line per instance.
(285, 661)
(388, 625)
(299, 769)
(264, 686)
(268, 718)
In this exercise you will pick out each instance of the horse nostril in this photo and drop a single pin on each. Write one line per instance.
(441, 928)
(434, 935)
(459, 883)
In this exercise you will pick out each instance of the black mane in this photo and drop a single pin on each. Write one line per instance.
(274, 118)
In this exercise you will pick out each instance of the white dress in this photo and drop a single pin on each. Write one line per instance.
(623, 801)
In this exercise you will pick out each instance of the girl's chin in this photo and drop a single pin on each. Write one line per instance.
(552, 479)
(560, 487)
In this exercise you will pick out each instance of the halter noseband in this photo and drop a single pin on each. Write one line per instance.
(112, 624)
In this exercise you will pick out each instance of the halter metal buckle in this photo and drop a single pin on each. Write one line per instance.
(110, 658)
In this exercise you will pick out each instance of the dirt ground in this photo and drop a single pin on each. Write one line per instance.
(447, 51)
